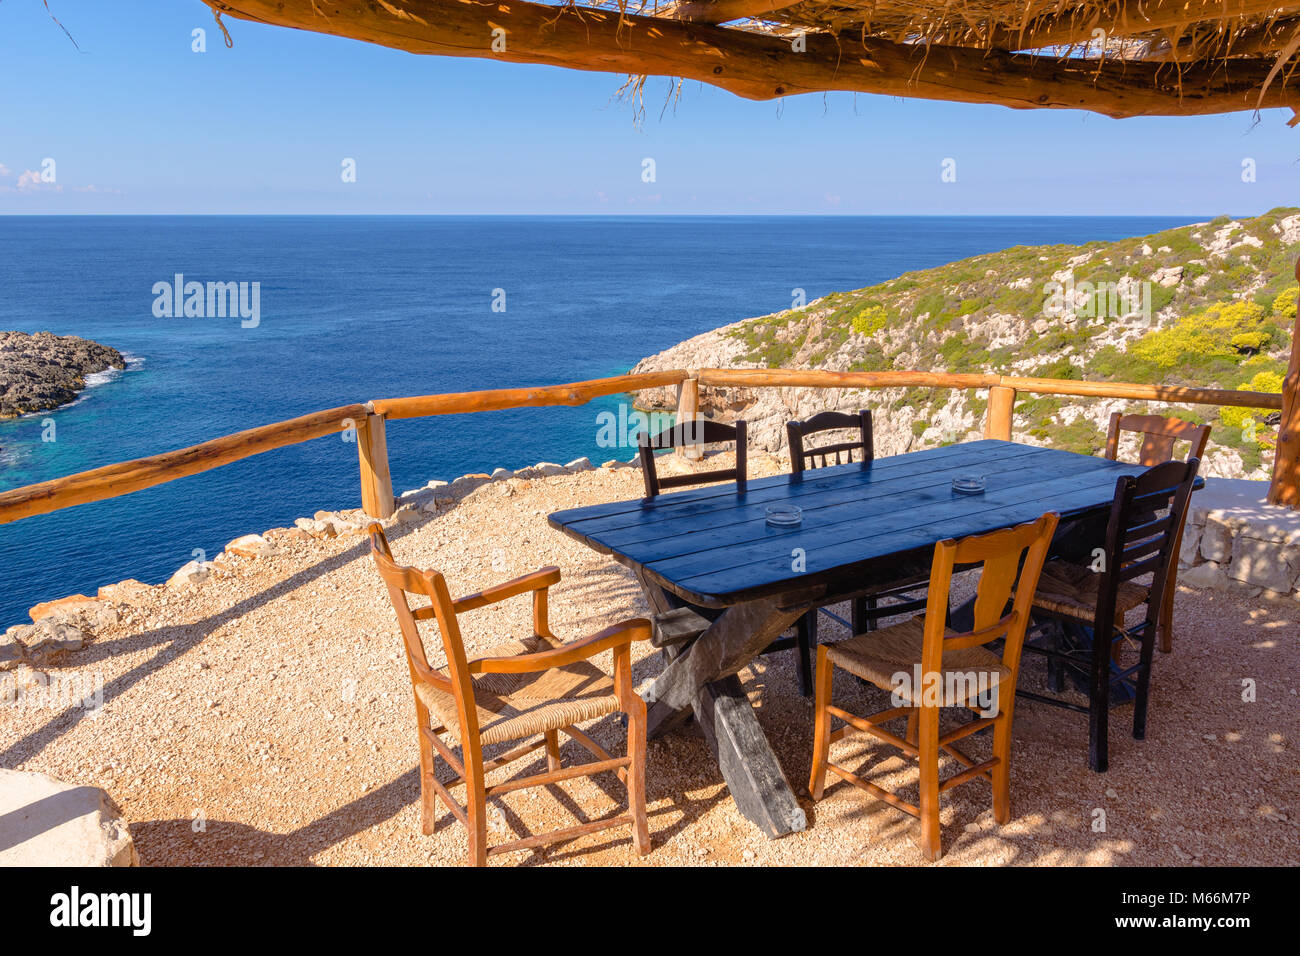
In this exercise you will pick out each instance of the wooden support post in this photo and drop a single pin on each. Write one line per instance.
(997, 420)
(1285, 487)
(688, 409)
(701, 680)
(376, 484)
(752, 771)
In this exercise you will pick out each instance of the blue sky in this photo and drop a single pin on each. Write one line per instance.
(138, 123)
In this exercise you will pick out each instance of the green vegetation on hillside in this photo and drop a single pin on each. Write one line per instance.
(1209, 305)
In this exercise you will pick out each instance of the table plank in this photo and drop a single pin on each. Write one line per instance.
(712, 546)
(823, 511)
(869, 526)
(594, 520)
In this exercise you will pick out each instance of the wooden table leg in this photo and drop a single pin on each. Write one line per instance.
(702, 681)
(753, 774)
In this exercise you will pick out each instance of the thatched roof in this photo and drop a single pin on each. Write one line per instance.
(1119, 58)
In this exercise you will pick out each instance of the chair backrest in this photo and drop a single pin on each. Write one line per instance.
(695, 432)
(803, 456)
(1159, 436)
(403, 581)
(1010, 562)
(1139, 539)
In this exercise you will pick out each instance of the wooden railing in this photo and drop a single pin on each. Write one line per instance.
(369, 419)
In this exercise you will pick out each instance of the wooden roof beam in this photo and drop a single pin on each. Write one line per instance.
(721, 11)
(1127, 17)
(761, 67)
(1270, 38)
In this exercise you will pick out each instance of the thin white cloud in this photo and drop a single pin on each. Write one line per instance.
(30, 181)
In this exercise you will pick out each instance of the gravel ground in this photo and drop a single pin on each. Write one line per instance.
(264, 717)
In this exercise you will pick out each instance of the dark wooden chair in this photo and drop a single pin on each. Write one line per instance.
(699, 432)
(803, 457)
(954, 671)
(679, 626)
(1088, 604)
(867, 611)
(1159, 437)
(531, 688)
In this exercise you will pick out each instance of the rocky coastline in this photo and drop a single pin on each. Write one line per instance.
(41, 370)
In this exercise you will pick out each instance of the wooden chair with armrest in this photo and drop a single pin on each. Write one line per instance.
(954, 670)
(1159, 438)
(535, 687)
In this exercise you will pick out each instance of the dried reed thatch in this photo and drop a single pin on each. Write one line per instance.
(1119, 58)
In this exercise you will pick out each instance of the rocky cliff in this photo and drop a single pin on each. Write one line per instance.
(43, 370)
(1210, 304)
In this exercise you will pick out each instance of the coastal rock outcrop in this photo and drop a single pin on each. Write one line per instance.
(43, 370)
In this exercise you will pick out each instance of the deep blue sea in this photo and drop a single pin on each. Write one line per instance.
(357, 308)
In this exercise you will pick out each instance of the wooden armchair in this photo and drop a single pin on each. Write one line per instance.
(954, 670)
(535, 687)
(1159, 436)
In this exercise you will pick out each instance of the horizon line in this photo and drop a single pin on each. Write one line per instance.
(621, 215)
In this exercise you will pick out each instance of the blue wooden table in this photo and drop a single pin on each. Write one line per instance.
(863, 526)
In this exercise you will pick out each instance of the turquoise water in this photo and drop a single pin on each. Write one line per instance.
(357, 308)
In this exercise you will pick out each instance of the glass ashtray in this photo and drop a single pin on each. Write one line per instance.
(784, 516)
(968, 484)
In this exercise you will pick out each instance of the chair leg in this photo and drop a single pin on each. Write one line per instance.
(428, 798)
(871, 613)
(858, 616)
(1002, 772)
(1143, 685)
(821, 724)
(1055, 671)
(1165, 628)
(636, 747)
(476, 810)
(807, 640)
(913, 722)
(928, 745)
(553, 750)
(1099, 702)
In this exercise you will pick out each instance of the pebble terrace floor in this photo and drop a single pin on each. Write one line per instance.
(264, 717)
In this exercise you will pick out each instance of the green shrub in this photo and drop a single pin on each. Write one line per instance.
(1265, 381)
(1207, 334)
(870, 319)
(1233, 417)
(1284, 305)
(1061, 368)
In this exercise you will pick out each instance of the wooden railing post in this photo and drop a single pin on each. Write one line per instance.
(376, 483)
(1284, 489)
(688, 410)
(997, 420)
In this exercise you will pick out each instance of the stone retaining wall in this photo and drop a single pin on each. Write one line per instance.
(1235, 540)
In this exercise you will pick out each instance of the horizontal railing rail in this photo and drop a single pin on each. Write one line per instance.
(369, 419)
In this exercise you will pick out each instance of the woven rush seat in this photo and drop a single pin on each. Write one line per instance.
(877, 656)
(512, 706)
(1071, 589)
